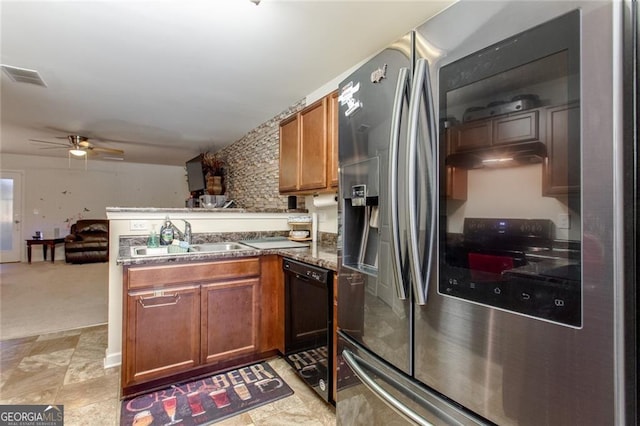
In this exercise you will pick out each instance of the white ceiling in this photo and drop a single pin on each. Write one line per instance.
(167, 80)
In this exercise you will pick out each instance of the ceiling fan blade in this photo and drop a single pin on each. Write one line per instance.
(53, 147)
(51, 143)
(108, 150)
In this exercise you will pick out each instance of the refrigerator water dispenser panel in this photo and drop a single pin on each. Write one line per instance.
(361, 182)
(360, 189)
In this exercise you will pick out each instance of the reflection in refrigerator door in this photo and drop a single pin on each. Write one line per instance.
(484, 304)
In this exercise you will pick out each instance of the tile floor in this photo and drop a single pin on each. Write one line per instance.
(67, 368)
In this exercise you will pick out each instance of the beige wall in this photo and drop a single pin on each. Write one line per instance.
(56, 195)
(514, 192)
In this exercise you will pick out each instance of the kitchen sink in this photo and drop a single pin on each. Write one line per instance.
(142, 251)
(214, 247)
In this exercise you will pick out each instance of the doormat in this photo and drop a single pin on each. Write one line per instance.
(208, 400)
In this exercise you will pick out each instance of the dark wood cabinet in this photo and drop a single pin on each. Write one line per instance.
(333, 139)
(289, 154)
(309, 150)
(313, 146)
(561, 171)
(516, 128)
(229, 319)
(511, 128)
(162, 333)
(190, 318)
(456, 183)
(272, 303)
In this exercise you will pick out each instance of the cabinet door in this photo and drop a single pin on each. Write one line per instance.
(162, 333)
(516, 128)
(229, 319)
(560, 176)
(271, 335)
(456, 183)
(313, 146)
(333, 139)
(289, 154)
(473, 135)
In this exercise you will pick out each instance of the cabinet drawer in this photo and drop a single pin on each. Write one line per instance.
(154, 276)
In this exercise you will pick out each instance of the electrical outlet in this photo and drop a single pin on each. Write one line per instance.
(563, 221)
(138, 225)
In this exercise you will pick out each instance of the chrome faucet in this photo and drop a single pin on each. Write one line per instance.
(187, 231)
(183, 236)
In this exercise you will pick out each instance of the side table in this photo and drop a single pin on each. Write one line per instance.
(46, 243)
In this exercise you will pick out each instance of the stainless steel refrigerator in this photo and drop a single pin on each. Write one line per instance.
(487, 220)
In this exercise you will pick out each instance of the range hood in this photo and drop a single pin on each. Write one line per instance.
(499, 156)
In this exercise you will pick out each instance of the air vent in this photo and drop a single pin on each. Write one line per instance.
(23, 75)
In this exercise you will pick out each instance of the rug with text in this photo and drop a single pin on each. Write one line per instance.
(207, 400)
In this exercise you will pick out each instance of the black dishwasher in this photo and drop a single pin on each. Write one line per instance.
(309, 324)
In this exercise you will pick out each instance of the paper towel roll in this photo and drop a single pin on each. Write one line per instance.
(325, 200)
(314, 227)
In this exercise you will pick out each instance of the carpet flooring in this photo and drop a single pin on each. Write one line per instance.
(46, 297)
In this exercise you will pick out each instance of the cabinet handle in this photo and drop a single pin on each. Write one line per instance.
(157, 301)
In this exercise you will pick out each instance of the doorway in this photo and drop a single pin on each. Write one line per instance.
(10, 216)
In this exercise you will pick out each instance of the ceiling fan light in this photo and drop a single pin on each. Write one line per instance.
(78, 152)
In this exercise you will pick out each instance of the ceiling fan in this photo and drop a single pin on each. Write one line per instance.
(77, 145)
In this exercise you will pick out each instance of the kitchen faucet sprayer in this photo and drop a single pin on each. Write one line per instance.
(183, 236)
(187, 231)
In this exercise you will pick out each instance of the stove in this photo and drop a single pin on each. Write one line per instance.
(514, 265)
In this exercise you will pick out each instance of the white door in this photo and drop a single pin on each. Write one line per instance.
(11, 244)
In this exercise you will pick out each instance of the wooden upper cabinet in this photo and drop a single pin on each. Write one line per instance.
(309, 149)
(334, 109)
(518, 128)
(289, 153)
(313, 146)
(511, 128)
(561, 170)
(474, 135)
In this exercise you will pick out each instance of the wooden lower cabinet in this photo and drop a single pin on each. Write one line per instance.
(189, 319)
(229, 319)
(162, 333)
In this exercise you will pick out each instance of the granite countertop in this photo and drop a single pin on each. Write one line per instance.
(199, 210)
(318, 254)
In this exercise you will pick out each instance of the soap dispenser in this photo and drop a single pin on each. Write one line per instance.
(166, 232)
(152, 240)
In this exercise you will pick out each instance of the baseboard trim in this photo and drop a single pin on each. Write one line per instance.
(113, 360)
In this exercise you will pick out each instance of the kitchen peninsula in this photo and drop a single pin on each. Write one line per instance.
(241, 269)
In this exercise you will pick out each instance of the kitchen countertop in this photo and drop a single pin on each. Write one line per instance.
(318, 254)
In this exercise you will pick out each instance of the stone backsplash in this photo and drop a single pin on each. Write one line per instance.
(252, 166)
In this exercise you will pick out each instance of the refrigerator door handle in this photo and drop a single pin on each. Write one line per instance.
(350, 359)
(394, 147)
(421, 87)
